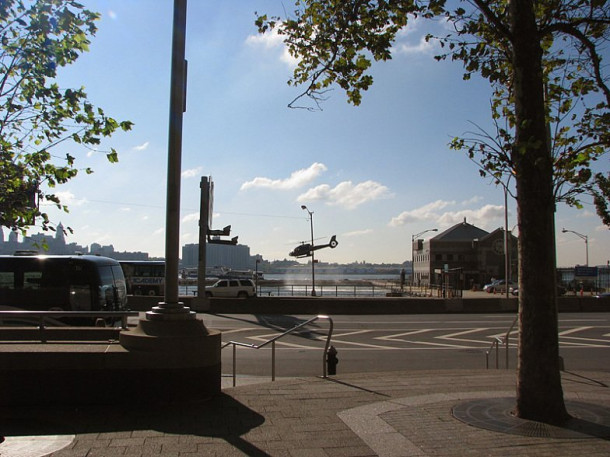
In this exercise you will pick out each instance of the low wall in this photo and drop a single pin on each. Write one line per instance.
(373, 305)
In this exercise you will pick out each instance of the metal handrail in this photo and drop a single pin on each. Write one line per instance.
(274, 339)
(496, 342)
(44, 315)
(506, 338)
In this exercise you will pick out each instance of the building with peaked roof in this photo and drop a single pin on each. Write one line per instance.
(464, 255)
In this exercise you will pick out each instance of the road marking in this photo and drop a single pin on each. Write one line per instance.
(355, 332)
(238, 330)
(396, 337)
(426, 338)
(366, 345)
(452, 336)
(268, 336)
(574, 330)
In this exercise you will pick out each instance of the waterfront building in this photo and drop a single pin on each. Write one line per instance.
(465, 255)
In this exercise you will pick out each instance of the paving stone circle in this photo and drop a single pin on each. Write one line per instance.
(588, 420)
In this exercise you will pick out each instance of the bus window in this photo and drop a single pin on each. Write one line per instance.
(120, 286)
(7, 280)
(107, 291)
(80, 297)
(144, 277)
(32, 279)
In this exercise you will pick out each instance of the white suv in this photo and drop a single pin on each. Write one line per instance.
(231, 288)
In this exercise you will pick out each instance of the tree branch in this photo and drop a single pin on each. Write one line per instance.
(504, 31)
(573, 31)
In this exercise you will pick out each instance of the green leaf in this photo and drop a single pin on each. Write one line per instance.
(112, 156)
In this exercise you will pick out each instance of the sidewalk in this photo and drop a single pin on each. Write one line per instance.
(369, 414)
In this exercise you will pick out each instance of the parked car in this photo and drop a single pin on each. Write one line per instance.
(560, 291)
(499, 286)
(486, 287)
(241, 288)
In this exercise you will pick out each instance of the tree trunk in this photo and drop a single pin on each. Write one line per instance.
(539, 391)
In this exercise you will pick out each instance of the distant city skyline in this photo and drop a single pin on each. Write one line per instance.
(239, 258)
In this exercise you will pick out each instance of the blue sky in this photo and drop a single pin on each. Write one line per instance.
(373, 175)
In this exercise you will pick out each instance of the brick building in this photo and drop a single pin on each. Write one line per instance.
(468, 255)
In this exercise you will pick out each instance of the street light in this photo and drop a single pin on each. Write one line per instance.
(584, 237)
(413, 238)
(258, 260)
(313, 274)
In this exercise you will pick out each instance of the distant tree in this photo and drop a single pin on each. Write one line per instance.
(510, 43)
(37, 117)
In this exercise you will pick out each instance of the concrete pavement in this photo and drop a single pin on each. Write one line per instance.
(403, 413)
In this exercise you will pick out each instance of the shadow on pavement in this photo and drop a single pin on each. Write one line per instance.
(221, 417)
(282, 323)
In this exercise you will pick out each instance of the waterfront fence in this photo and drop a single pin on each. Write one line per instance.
(373, 289)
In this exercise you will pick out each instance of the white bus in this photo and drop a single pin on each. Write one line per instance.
(144, 277)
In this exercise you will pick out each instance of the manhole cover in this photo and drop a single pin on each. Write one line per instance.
(588, 421)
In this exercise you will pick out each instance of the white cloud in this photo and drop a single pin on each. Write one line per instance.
(192, 173)
(473, 200)
(69, 199)
(480, 217)
(419, 47)
(346, 194)
(425, 213)
(141, 147)
(271, 41)
(358, 233)
(297, 179)
(411, 40)
(193, 217)
(483, 217)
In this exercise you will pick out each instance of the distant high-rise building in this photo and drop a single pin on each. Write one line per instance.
(219, 255)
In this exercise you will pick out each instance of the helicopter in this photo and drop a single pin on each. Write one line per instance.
(306, 249)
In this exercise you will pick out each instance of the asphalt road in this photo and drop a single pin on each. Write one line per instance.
(400, 342)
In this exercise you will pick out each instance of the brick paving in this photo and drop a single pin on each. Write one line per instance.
(358, 415)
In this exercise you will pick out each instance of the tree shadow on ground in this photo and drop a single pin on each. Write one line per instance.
(282, 323)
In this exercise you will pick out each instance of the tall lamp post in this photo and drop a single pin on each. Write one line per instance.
(258, 260)
(584, 237)
(313, 261)
(413, 238)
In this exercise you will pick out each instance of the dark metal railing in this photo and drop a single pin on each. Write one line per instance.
(496, 345)
(274, 339)
(43, 318)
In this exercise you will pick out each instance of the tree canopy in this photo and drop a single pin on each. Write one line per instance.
(38, 118)
(336, 42)
(544, 61)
